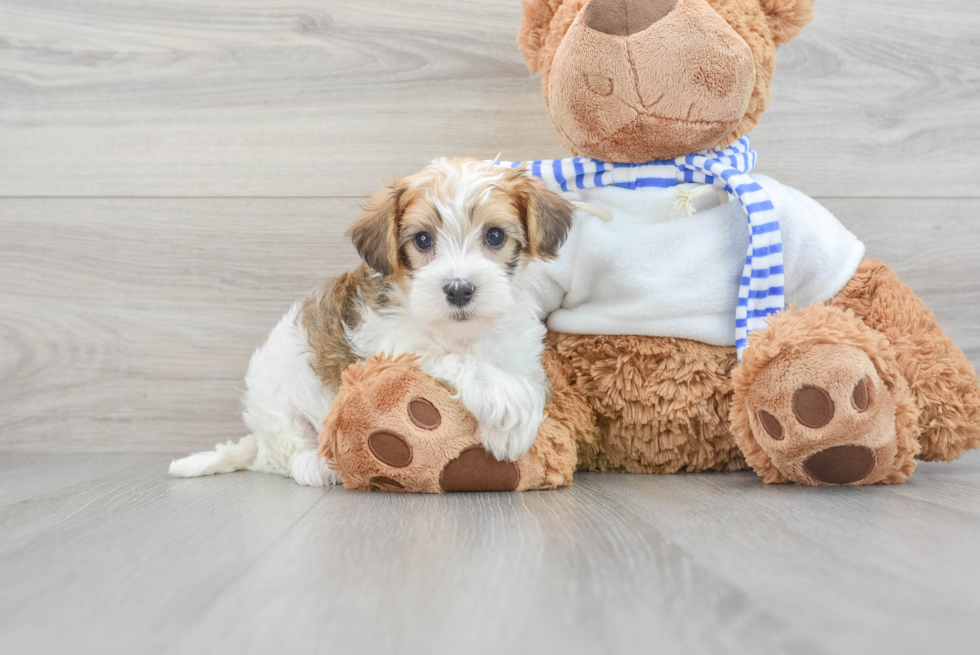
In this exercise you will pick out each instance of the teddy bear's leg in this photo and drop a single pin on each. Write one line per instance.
(843, 393)
(392, 427)
(819, 400)
(941, 379)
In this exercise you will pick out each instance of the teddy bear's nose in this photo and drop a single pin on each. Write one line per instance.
(625, 17)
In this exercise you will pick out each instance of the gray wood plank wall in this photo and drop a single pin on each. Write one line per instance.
(174, 174)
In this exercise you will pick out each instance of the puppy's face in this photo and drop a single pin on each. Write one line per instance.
(455, 237)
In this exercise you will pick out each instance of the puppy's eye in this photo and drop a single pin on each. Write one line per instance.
(423, 240)
(495, 237)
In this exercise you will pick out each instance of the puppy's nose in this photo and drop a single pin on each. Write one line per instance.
(459, 292)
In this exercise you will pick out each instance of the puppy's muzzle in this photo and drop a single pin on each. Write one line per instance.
(459, 292)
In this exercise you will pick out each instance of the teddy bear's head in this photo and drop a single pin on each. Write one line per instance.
(637, 80)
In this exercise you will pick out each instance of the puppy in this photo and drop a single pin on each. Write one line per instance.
(445, 254)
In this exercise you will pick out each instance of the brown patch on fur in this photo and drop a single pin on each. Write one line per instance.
(375, 233)
(502, 210)
(326, 314)
(544, 215)
(417, 215)
(390, 448)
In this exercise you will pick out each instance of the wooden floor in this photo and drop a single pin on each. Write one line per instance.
(106, 554)
(173, 174)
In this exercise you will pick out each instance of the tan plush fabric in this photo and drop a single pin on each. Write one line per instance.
(696, 78)
(679, 86)
(380, 434)
(662, 405)
(941, 379)
(828, 349)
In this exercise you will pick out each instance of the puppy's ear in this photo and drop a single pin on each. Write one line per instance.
(546, 216)
(375, 234)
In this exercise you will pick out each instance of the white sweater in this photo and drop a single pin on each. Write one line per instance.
(654, 271)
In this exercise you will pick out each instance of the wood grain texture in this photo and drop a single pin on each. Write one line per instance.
(127, 324)
(123, 558)
(325, 97)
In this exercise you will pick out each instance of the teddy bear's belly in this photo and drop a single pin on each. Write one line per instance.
(660, 404)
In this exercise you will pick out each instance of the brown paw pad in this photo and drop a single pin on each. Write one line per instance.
(476, 470)
(424, 414)
(841, 464)
(390, 448)
(772, 425)
(384, 483)
(861, 396)
(813, 407)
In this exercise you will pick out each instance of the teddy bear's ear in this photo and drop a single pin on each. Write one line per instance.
(543, 25)
(787, 18)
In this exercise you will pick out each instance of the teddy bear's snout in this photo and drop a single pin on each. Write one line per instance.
(625, 17)
(635, 79)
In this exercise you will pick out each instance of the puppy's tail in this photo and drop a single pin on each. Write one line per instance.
(225, 458)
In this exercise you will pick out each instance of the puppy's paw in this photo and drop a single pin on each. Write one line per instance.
(509, 418)
(509, 444)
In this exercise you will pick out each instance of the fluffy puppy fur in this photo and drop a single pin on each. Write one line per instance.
(445, 253)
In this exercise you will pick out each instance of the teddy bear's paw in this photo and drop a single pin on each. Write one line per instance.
(824, 416)
(401, 430)
(414, 457)
(477, 470)
(413, 441)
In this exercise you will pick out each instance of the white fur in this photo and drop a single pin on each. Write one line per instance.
(284, 407)
(495, 366)
(490, 351)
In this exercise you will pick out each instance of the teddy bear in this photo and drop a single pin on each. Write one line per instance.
(719, 321)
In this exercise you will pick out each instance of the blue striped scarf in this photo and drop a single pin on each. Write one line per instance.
(761, 292)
